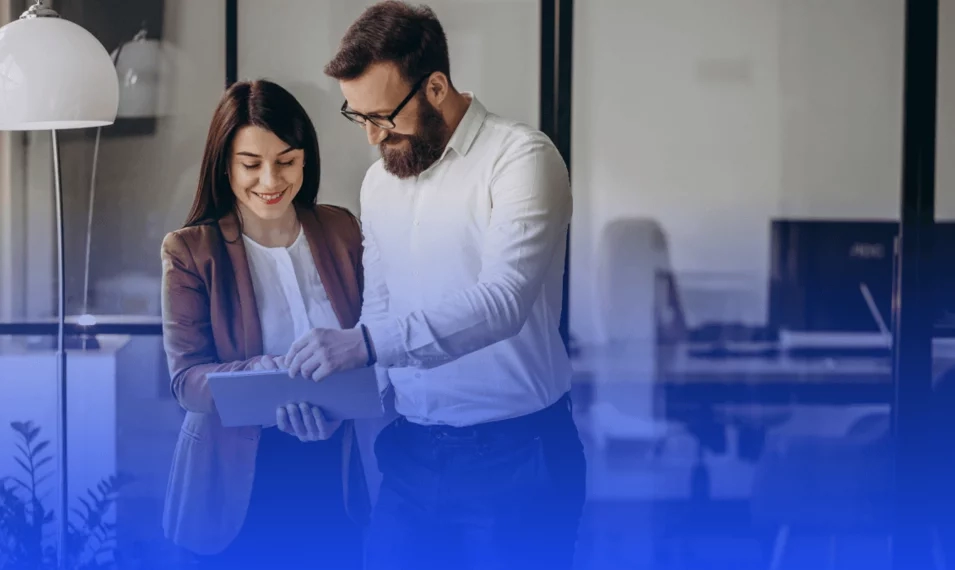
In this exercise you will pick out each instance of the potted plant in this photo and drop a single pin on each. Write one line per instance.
(25, 521)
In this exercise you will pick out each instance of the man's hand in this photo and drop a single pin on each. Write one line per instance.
(305, 422)
(321, 352)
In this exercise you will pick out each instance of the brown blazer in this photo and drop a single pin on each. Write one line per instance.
(211, 324)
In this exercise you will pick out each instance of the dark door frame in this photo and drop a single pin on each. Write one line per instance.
(913, 307)
(231, 42)
(556, 89)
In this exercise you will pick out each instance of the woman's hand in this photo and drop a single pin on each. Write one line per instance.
(268, 362)
(305, 422)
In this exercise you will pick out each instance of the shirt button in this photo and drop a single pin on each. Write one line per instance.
(417, 223)
(417, 375)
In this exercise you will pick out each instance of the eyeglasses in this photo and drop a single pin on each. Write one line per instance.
(379, 121)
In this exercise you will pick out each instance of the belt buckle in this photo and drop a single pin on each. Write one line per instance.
(452, 435)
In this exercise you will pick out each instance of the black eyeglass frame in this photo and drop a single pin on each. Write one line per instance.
(388, 122)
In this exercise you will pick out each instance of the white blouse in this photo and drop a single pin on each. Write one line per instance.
(289, 293)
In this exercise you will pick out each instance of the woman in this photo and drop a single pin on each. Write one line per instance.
(256, 266)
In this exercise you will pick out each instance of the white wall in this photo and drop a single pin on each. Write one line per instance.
(148, 182)
(723, 115)
(841, 78)
(683, 131)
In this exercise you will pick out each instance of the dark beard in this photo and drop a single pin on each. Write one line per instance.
(424, 148)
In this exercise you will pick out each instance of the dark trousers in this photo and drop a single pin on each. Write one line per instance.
(296, 517)
(502, 495)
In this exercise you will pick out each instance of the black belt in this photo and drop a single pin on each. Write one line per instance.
(529, 425)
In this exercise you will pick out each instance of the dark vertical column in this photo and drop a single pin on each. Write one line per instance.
(914, 306)
(556, 77)
(231, 42)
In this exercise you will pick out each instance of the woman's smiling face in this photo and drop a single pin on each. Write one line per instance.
(265, 173)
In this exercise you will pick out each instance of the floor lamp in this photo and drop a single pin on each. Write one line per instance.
(55, 75)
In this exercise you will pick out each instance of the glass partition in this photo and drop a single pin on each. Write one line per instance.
(736, 177)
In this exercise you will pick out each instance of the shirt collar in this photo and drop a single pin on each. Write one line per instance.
(463, 137)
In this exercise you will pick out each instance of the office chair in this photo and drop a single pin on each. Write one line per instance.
(630, 253)
(830, 486)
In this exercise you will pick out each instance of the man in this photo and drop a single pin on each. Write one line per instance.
(465, 222)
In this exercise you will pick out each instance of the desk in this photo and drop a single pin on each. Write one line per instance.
(704, 394)
(773, 380)
(678, 377)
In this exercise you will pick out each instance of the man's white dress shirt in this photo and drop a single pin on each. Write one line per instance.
(464, 275)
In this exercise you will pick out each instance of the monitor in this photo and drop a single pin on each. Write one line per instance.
(837, 275)
(821, 269)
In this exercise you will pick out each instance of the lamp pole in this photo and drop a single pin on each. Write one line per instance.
(39, 10)
(63, 519)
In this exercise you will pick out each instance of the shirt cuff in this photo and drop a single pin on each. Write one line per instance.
(386, 338)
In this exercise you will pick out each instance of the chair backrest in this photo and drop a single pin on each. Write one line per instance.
(632, 253)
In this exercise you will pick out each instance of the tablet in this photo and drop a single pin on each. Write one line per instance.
(250, 398)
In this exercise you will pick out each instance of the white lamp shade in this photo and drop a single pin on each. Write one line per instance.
(54, 75)
(138, 67)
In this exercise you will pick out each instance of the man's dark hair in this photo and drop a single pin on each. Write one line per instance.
(392, 31)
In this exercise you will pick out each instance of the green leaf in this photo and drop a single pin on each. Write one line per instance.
(32, 432)
(89, 509)
(21, 483)
(93, 496)
(89, 536)
(40, 447)
(23, 465)
(23, 450)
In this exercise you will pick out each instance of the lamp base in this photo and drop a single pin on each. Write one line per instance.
(84, 342)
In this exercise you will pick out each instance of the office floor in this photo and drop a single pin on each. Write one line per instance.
(670, 535)
(638, 517)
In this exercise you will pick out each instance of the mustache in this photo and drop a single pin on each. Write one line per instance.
(394, 138)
